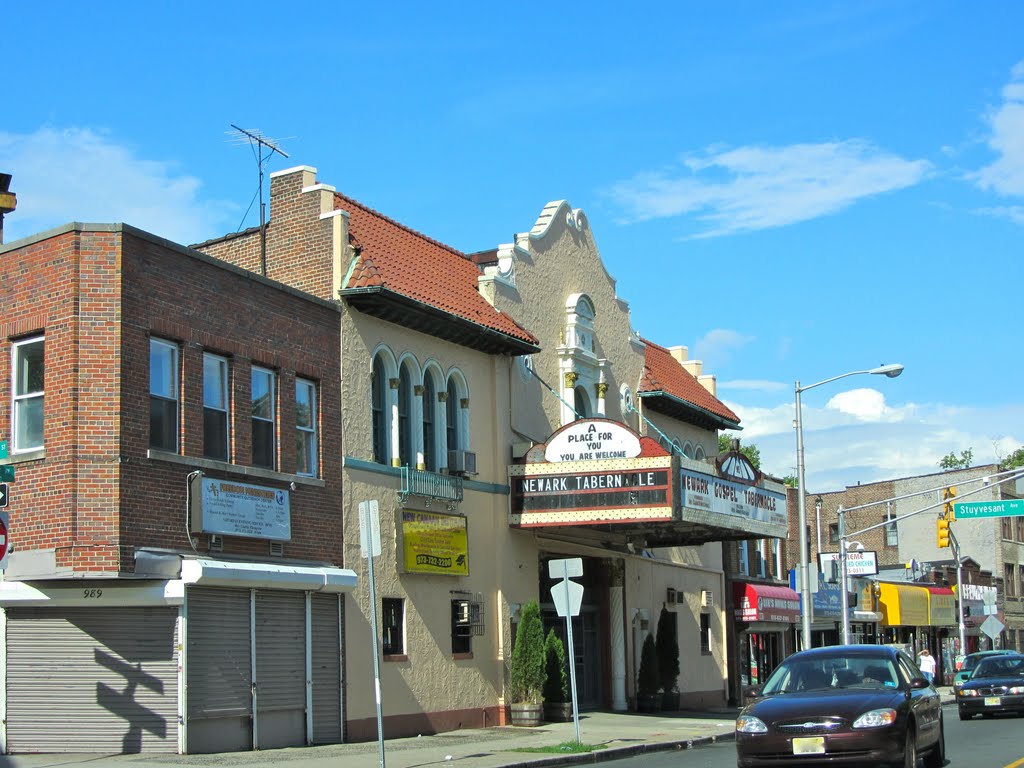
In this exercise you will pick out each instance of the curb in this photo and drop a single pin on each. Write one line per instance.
(617, 753)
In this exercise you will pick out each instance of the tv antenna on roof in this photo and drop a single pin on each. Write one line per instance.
(260, 143)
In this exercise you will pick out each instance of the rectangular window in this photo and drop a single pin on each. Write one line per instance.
(705, 633)
(264, 448)
(163, 395)
(215, 407)
(1020, 528)
(1020, 582)
(1009, 580)
(393, 622)
(1007, 527)
(462, 627)
(892, 538)
(777, 558)
(833, 533)
(741, 556)
(27, 389)
(305, 428)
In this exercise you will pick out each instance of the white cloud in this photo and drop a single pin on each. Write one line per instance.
(858, 438)
(717, 345)
(1006, 123)
(1014, 213)
(753, 188)
(78, 174)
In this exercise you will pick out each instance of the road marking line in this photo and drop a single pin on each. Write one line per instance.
(1015, 764)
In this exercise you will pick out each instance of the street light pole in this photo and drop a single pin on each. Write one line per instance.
(892, 371)
(844, 595)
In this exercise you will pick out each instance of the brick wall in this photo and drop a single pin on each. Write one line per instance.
(99, 296)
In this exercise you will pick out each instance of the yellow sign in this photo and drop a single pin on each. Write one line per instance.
(435, 543)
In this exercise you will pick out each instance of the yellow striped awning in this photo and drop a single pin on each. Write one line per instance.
(903, 605)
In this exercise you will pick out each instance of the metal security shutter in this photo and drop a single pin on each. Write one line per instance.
(219, 664)
(280, 669)
(92, 680)
(326, 632)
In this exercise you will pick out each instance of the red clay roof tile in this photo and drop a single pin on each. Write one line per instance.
(411, 264)
(663, 373)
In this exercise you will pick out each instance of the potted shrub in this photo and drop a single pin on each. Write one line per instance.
(526, 669)
(667, 647)
(648, 683)
(557, 706)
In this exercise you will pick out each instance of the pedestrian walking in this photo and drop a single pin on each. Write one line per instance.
(926, 663)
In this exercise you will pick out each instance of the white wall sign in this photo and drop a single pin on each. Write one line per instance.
(592, 440)
(712, 494)
(857, 563)
(237, 509)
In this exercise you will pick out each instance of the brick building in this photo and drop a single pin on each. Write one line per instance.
(175, 440)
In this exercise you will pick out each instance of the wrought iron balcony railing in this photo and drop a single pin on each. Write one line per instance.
(430, 485)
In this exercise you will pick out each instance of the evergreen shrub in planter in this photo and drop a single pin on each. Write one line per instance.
(557, 705)
(526, 669)
(648, 684)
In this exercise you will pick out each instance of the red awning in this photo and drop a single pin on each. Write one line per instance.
(765, 602)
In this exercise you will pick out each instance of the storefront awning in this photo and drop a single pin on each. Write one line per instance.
(903, 605)
(765, 602)
(941, 607)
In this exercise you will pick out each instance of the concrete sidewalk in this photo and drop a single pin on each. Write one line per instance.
(621, 733)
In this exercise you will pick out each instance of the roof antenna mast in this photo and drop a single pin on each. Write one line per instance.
(261, 144)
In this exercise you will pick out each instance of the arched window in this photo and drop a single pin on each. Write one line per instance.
(582, 403)
(699, 453)
(430, 461)
(452, 416)
(406, 450)
(379, 407)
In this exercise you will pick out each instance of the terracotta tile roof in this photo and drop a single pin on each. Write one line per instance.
(664, 374)
(403, 261)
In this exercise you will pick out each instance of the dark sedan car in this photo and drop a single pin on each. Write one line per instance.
(996, 685)
(842, 705)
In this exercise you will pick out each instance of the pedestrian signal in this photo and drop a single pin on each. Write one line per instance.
(942, 533)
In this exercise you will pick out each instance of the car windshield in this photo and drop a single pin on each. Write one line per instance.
(821, 673)
(997, 666)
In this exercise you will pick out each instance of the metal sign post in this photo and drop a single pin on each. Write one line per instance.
(568, 596)
(369, 539)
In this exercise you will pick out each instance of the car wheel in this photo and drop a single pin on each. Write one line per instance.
(936, 758)
(910, 749)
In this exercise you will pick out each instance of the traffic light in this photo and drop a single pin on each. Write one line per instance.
(949, 496)
(942, 533)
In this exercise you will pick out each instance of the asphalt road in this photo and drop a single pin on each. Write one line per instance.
(996, 742)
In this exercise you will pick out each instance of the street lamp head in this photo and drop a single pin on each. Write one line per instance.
(892, 371)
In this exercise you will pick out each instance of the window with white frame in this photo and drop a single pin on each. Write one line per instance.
(379, 406)
(393, 622)
(28, 371)
(216, 438)
(163, 395)
(264, 446)
(742, 557)
(306, 450)
(892, 537)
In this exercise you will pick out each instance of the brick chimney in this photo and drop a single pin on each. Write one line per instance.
(8, 201)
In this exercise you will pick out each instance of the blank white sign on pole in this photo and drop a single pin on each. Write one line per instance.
(369, 528)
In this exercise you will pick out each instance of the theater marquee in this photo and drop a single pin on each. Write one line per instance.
(590, 472)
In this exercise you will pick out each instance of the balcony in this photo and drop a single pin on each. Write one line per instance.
(430, 485)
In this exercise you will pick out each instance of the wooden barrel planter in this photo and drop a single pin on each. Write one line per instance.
(527, 715)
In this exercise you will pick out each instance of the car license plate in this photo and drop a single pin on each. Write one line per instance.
(810, 745)
(992, 701)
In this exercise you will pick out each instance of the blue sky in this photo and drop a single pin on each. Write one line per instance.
(794, 190)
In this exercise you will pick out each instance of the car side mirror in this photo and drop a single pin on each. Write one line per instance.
(919, 682)
(752, 692)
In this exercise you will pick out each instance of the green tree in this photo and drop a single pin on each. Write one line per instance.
(952, 461)
(1015, 459)
(648, 680)
(667, 647)
(752, 452)
(526, 668)
(791, 480)
(556, 682)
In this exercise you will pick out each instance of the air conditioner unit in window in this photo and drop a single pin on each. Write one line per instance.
(462, 462)
(462, 613)
(707, 598)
